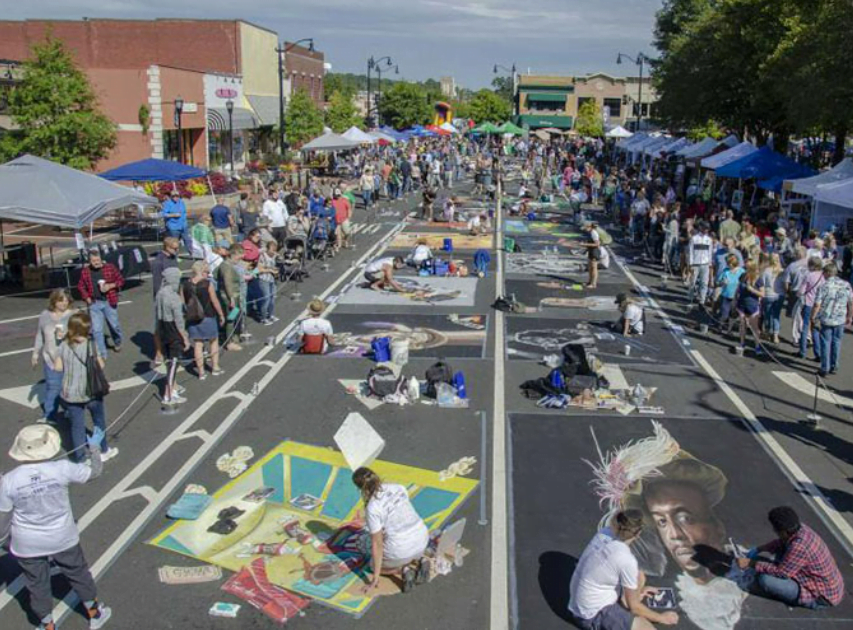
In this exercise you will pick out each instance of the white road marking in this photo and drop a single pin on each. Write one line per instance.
(14, 352)
(792, 379)
(120, 490)
(30, 395)
(823, 508)
(23, 319)
(499, 611)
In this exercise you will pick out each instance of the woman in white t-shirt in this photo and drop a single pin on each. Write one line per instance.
(399, 536)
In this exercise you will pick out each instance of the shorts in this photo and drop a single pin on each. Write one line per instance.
(373, 276)
(595, 253)
(346, 227)
(748, 309)
(170, 339)
(612, 617)
(397, 563)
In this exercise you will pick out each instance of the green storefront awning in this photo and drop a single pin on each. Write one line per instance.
(536, 121)
(546, 97)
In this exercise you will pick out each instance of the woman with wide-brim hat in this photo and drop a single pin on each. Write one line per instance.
(36, 509)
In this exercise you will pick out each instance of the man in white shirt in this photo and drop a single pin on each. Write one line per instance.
(699, 252)
(275, 212)
(34, 500)
(380, 273)
(639, 210)
(608, 587)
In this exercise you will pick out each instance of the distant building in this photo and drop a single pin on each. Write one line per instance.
(554, 101)
(448, 87)
(305, 69)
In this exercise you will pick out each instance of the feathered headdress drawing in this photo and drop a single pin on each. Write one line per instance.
(621, 468)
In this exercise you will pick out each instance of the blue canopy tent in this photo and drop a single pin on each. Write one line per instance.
(153, 170)
(762, 164)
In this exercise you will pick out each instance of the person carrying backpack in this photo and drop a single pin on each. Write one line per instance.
(204, 317)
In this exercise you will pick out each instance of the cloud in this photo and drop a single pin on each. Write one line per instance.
(427, 38)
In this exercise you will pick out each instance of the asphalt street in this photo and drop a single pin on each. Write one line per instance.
(537, 511)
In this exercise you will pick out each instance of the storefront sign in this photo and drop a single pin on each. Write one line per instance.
(227, 93)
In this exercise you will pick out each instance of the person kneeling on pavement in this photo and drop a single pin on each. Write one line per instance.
(607, 587)
(36, 509)
(633, 318)
(380, 273)
(802, 572)
(421, 255)
(399, 536)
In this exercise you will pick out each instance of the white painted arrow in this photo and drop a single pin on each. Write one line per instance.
(31, 395)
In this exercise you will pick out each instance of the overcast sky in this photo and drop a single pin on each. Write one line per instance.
(426, 38)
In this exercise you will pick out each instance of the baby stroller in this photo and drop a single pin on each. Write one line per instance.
(292, 262)
(320, 239)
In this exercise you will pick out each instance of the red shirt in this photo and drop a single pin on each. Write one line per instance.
(342, 209)
(251, 252)
(807, 561)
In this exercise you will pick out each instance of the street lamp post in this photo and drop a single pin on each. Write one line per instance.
(514, 84)
(373, 64)
(229, 105)
(640, 61)
(281, 50)
(179, 110)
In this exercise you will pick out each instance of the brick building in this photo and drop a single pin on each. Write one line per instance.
(304, 69)
(143, 66)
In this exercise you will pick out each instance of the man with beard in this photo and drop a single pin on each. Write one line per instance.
(679, 505)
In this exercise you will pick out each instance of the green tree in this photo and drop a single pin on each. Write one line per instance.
(404, 105)
(342, 113)
(590, 123)
(56, 111)
(710, 128)
(303, 120)
(486, 106)
(503, 87)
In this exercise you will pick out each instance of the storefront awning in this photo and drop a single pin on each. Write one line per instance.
(537, 121)
(241, 118)
(266, 109)
(546, 97)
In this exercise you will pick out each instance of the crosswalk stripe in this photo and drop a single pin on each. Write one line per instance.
(796, 381)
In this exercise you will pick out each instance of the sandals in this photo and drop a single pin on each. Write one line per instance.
(408, 578)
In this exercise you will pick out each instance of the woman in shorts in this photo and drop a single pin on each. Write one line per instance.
(750, 292)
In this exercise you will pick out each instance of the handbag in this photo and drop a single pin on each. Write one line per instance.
(97, 385)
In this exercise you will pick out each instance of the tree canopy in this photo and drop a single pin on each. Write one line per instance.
(404, 105)
(56, 111)
(303, 120)
(590, 123)
(486, 106)
(341, 113)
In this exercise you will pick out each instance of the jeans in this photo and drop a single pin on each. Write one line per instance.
(772, 313)
(367, 196)
(804, 337)
(407, 184)
(830, 346)
(76, 414)
(267, 302)
(700, 283)
(101, 312)
(183, 235)
(52, 388)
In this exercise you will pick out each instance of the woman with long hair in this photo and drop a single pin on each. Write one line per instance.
(72, 361)
(200, 287)
(750, 293)
(52, 324)
(774, 291)
(399, 536)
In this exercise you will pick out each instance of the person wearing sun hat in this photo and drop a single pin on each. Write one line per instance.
(35, 505)
(316, 331)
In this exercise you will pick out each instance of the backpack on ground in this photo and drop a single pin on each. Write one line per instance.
(575, 361)
(195, 311)
(508, 305)
(439, 372)
(382, 382)
(604, 236)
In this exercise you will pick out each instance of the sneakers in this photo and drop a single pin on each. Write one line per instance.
(99, 616)
(202, 376)
(408, 578)
(117, 347)
(179, 389)
(176, 399)
(217, 371)
(109, 454)
(274, 319)
(245, 335)
(268, 322)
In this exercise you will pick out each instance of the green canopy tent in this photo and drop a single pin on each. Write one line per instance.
(486, 127)
(509, 127)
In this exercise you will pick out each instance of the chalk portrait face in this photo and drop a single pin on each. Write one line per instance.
(684, 518)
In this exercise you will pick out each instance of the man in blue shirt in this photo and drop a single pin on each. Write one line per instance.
(222, 221)
(175, 217)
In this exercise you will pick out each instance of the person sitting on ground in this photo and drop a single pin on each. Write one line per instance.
(633, 318)
(399, 536)
(449, 210)
(35, 506)
(171, 327)
(593, 247)
(316, 333)
(478, 224)
(421, 255)
(607, 587)
(380, 273)
(803, 571)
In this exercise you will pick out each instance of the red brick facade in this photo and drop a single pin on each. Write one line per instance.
(306, 70)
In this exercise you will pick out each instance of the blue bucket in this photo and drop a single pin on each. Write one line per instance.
(381, 347)
(448, 245)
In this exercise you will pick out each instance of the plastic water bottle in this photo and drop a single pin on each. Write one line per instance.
(459, 384)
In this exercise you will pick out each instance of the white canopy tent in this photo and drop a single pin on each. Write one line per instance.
(810, 185)
(618, 132)
(330, 142)
(671, 147)
(833, 205)
(382, 136)
(449, 127)
(728, 156)
(357, 135)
